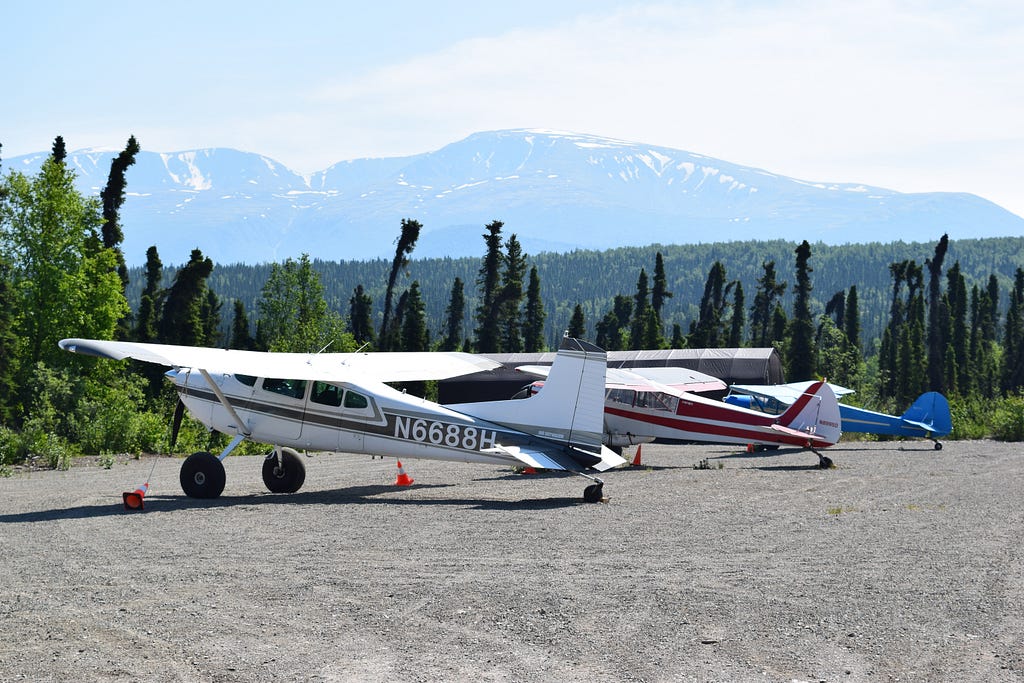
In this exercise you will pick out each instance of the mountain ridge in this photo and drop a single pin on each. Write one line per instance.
(556, 191)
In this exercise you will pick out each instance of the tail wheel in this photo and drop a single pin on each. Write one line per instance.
(284, 471)
(592, 494)
(202, 476)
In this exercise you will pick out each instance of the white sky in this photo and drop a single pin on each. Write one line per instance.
(911, 95)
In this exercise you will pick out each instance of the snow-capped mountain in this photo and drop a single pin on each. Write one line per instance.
(555, 191)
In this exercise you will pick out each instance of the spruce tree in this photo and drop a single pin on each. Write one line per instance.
(577, 324)
(454, 315)
(405, 244)
(800, 346)
(241, 336)
(938, 318)
(512, 296)
(659, 288)
(9, 342)
(360, 316)
(112, 198)
(533, 323)
(1013, 337)
(738, 317)
(707, 331)
(762, 312)
(181, 320)
(151, 300)
(488, 330)
(414, 322)
(641, 304)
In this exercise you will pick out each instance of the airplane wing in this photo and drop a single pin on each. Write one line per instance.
(783, 393)
(556, 459)
(668, 380)
(383, 367)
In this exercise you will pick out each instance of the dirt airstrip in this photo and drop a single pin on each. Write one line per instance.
(902, 563)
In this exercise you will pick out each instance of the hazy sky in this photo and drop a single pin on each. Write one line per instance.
(912, 96)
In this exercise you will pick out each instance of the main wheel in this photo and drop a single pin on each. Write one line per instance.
(825, 463)
(285, 475)
(938, 446)
(592, 494)
(202, 476)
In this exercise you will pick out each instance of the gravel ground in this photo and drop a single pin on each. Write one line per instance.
(902, 563)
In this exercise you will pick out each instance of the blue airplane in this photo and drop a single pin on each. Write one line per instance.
(927, 418)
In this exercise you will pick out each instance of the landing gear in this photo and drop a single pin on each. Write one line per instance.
(938, 446)
(202, 476)
(824, 462)
(593, 493)
(283, 471)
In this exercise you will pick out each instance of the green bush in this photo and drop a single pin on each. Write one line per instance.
(1008, 419)
(971, 416)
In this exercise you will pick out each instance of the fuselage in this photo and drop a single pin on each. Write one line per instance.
(690, 417)
(368, 417)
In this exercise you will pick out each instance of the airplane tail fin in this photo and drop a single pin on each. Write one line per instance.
(569, 409)
(930, 412)
(815, 412)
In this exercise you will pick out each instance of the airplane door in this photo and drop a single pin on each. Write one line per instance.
(283, 406)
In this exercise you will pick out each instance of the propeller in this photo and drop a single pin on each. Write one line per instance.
(179, 413)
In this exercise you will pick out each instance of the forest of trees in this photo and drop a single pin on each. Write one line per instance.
(889, 321)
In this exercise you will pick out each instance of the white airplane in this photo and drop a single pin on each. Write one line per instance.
(340, 402)
(639, 409)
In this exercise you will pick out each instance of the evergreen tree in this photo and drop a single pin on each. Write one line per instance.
(577, 324)
(801, 338)
(59, 152)
(762, 312)
(779, 324)
(678, 340)
(182, 321)
(888, 353)
(958, 375)
(659, 288)
(738, 317)
(454, 315)
(609, 332)
(488, 330)
(512, 296)
(9, 343)
(1013, 337)
(209, 311)
(151, 300)
(406, 243)
(938, 318)
(641, 302)
(912, 373)
(851, 319)
(360, 317)
(533, 325)
(112, 198)
(414, 322)
(708, 332)
(241, 337)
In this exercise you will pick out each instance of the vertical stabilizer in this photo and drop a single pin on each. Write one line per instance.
(815, 412)
(570, 407)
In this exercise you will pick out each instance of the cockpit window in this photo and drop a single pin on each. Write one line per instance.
(326, 394)
(247, 380)
(292, 388)
(355, 401)
(623, 396)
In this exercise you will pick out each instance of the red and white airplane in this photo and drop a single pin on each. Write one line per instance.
(638, 409)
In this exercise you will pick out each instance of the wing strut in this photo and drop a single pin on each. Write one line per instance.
(242, 428)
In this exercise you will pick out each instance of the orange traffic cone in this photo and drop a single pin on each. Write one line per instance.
(529, 470)
(636, 457)
(133, 499)
(750, 448)
(403, 479)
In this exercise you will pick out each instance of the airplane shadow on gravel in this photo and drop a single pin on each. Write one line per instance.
(354, 495)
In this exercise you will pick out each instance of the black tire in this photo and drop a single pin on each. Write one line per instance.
(938, 446)
(826, 463)
(592, 494)
(202, 476)
(287, 477)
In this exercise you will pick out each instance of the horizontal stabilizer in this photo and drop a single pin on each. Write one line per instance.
(555, 460)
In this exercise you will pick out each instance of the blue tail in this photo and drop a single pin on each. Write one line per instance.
(930, 412)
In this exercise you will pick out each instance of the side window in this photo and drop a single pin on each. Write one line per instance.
(292, 388)
(355, 401)
(247, 380)
(623, 396)
(326, 394)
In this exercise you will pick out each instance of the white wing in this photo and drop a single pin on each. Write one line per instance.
(783, 393)
(384, 367)
(669, 380)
